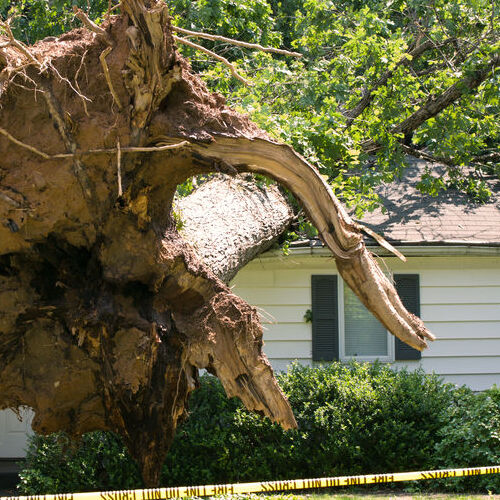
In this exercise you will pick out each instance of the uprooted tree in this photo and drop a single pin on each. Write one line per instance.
(106, 312)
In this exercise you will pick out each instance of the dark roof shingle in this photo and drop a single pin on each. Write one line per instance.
(412, 217)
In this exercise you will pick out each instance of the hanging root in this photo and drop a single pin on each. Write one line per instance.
(107, 75)
(76, 82)
(90, 25)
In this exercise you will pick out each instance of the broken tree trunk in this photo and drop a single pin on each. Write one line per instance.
(106, 312)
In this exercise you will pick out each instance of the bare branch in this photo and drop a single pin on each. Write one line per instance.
(238, 43)
(428, 157)
(215, 56)
(490, 156)
(88, 23)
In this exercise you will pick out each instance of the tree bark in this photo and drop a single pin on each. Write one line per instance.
(106, 312)
(229, 221)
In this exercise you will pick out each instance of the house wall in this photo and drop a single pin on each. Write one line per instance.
(460, 304)
(14, 434)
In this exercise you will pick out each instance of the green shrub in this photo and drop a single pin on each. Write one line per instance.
(470, 437)
(55, 464)
(353, 419)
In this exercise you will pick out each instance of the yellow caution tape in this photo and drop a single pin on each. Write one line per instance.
(266, 486)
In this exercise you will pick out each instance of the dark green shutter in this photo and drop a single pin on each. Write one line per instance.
(325, 325)
(408, 288)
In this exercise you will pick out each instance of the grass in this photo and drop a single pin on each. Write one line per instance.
(399, 496)
(368, 496)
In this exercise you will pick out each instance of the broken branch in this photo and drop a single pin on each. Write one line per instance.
(340, 233)
(88, 23)
(215, 56)
(381, 241)
(238, 43)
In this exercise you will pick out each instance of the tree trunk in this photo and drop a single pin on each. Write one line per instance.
(106, 312)
(229, 221)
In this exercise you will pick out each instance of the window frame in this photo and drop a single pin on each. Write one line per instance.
(397, 351)
(389, 358)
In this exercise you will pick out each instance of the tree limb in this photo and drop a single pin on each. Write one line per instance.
(230, 220)
(238, 43)
(355, 263)
(438, 102)
(215, 56)
(368, 97)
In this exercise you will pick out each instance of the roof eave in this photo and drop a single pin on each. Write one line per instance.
(409, 249)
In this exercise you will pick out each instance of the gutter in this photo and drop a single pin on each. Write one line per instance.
(438, 249)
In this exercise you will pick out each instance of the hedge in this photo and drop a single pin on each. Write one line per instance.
(353, 419)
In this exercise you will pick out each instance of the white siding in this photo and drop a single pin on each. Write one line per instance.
(460, 303)
(14, 433)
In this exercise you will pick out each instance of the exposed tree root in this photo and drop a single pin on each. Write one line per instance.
(105, 68)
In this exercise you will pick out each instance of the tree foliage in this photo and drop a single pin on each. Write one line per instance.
(366, 67)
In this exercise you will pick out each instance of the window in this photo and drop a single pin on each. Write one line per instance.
(344, 329)
(364, 336)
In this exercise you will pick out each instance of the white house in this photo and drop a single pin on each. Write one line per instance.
(451, 279)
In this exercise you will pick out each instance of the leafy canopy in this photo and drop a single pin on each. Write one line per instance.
(395, 54)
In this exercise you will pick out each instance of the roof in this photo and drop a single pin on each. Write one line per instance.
(451, 217)
(412, 218)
